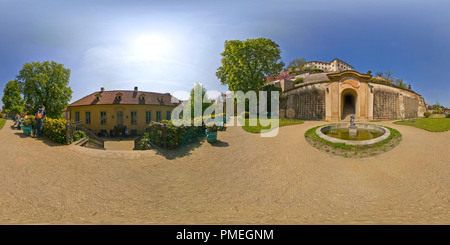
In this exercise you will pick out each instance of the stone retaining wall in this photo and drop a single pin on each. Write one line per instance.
(307, 102)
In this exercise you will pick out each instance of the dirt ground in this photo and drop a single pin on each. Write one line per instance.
(242, 179)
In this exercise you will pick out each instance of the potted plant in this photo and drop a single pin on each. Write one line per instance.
(27, 126)
(211, 133)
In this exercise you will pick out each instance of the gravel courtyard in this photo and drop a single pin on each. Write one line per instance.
(243, 179)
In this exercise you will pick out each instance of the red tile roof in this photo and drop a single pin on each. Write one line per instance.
(128, 98)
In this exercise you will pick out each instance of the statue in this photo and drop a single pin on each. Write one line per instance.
(352, 120)
(352, 129)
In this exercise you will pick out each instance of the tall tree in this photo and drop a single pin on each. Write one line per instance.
(45, 83)
(246, 64)
(198, 93)
(12, 98)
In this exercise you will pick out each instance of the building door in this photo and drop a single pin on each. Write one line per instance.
(120, 118)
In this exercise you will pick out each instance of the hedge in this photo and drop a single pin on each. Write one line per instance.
(167, 135)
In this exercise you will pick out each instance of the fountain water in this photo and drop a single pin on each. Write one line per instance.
(361, 134)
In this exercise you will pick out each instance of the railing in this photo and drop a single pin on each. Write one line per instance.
(72, 127)
(137, 143)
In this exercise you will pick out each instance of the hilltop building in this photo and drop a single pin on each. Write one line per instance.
(335, 65)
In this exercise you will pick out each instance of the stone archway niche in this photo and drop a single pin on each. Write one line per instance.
(348, 103)
(348, 94)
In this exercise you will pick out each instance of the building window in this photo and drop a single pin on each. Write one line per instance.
(103, 132)
(158, 116)
(168, 115)
(133, 132)
(103, 117)
(88, 117)
(77, 116)
(133, 117)
(148, 117)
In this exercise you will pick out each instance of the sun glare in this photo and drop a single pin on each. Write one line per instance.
(151, 46)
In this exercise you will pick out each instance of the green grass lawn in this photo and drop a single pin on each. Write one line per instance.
(430, 124)
(258, 128)
(2, 122)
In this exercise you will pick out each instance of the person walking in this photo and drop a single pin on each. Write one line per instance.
(40, 115)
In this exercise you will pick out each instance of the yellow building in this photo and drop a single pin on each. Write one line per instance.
(106, 112)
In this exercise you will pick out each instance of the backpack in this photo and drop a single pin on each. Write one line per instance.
(39, 114)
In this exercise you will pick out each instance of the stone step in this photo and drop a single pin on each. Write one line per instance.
(81, 142)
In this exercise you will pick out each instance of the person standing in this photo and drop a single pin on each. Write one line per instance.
(40, 115)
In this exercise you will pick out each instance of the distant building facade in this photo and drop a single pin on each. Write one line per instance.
(103, 111)
(335, 65)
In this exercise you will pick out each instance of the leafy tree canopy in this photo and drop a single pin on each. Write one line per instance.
(296, 65)
(400, 83)
(12, 98)
(198, 89)
(45, 83)
(246, 64)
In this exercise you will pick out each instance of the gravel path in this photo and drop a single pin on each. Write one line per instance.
(243, 179)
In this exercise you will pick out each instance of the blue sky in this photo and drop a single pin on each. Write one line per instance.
(167, 46)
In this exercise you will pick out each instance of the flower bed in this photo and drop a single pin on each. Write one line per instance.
(55, 129)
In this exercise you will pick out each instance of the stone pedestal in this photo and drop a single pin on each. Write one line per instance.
(352, 131)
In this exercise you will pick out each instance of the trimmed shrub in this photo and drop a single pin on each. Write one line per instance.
(2, 115)
(426, 114)
(166, 135)
(55, 129)
(315, 70)
(298, 80)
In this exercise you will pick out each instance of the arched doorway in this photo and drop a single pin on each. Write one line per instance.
(348, 104)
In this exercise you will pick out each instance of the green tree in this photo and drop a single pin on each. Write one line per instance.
(45, 83)
(12, 98)
(296, 65)
(246, 64)
(399, 83)
(389, 75)
(198, 89)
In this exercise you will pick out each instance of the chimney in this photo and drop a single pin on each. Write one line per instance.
(135, 89)
(102, 89)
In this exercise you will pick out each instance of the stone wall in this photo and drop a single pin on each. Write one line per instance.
(381, 102)
(307, 102)
(385, 104)
(410, 106)
(394, 103)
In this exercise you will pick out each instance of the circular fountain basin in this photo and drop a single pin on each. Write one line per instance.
(373, 133)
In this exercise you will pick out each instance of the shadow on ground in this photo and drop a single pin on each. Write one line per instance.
(44, 139)
(181, 151)
(219, 143)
